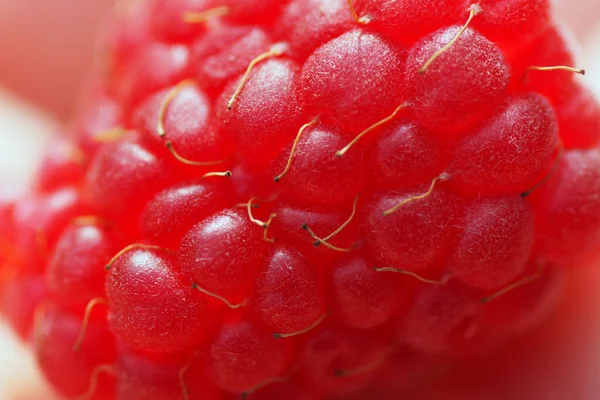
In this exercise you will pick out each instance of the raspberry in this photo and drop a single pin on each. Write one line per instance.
(306, 199)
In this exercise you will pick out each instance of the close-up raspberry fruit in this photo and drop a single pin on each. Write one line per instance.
(308, 200)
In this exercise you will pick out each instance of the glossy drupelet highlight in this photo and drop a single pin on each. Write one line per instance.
(305, 199)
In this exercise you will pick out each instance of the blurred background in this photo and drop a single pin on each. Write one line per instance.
(46, 50)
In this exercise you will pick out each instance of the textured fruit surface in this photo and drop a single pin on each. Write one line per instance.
(306, 200)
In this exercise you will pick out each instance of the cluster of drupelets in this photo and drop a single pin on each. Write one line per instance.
(395, 231)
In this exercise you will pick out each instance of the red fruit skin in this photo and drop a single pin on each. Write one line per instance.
(287, 275)
(168, 315)
(495, 243)
(19, 300)
(511, 152)
(38, 221)
(266, 114)
(224, 254)
(578, 116)
(549, 49)
(451, 95)
(440, 318)
(70, 372)
(166, 18)
(124, 176)
(288, 229)
(64, 164)
(418, 236)
(188, 124)
(316, 174)
(152, 67)
(512, 23)
(160, 378)
(241, 356)
(75, 271)
(252, 11)
(308, 24)
(527, 306)
(172, 212)
(225, 52)
(408, 20)
(341, 361)
(567, 210)
(364, 298)
(353, 80)
(99, 113)
(402, 371)
(404, 154)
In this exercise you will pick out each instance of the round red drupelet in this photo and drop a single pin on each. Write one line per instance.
(287, 274)
(567, 210)
(403, 370)
(441, 319)
(316, 175)
(290, 228)
(459, 87)
(153, 306)
(124, 36)
(167, 19)
(528, 305)
(307, 24)
(224, 254)
(251, 181)
(152, 67)
(242, 356)
(511, 24)
(511, 152)
(408, 20)
(550, 49)
(188, 123)
(418, 236)
(39, 220)
(99, 115)
(71, 372)
(64, 164)
(578, 116)
(266, 114)
(257, 12)
(404, 154)
(152, 377)
(364, 298)
(495, 242)
(225, 52)
(124, 176)
(340, 361)
(172, 212)
(75, 270)
(354, 80)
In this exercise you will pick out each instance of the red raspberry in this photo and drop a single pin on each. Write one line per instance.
(305, 199)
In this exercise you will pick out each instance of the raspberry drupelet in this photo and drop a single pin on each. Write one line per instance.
(305, 199)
